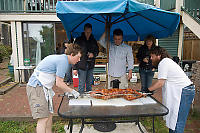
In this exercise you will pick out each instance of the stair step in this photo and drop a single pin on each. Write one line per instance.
(6, 87)
(5, 81)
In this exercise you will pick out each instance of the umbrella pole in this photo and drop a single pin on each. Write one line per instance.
(107, 31)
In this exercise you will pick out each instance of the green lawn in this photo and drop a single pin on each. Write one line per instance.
(58, 126)
(159, 124)
(27, 127)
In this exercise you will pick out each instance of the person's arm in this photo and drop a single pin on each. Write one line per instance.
(157, 85)
(75, 72)
(76, 41)
(93, 50)
(75, 67)
(130, 62)
(129, 74)
(96, 50)
(67, 90)
(102, 40)
(140, 54)
(61, 84)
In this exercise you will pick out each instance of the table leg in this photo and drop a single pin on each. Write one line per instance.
(138, 123)
(82, 125)
(153, 125)
(29, 75)
(19, 76)
(71, 125)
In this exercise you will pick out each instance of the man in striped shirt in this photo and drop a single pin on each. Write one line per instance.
(120, 55)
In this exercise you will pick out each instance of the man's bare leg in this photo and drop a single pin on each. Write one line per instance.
(49, 124)
(41, 125)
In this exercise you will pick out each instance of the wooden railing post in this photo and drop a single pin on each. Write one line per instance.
(179, 4)
(157, 3)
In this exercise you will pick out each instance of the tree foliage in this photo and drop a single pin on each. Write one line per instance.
(47, 47)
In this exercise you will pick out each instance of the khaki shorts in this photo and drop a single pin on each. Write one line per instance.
(37, 102)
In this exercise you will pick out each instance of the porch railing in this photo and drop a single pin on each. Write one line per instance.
(150, 2)
(41, 5)
(192, 7)
(38, 5)
(28, 5)
(11, 5)
(168, 4)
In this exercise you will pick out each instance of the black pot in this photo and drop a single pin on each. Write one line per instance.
(115, 83)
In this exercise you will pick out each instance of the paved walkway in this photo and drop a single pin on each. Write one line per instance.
(120, 128)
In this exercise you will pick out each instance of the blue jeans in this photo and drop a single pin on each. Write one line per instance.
(187, 97)
(146, 77)
(85, 79)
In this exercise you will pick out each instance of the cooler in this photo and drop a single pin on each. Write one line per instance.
(75, 80)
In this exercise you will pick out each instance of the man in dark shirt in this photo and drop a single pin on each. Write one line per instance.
(85, 67)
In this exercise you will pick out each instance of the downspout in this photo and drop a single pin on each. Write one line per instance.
(179, 4)
(157, 4)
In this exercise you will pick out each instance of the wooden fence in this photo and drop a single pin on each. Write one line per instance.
(191, 50)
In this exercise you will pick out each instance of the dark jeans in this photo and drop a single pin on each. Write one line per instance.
(146, 77)
(85, 79)
(187, 97)
(68, 76)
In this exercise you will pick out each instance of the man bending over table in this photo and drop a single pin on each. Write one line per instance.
(177, 89)
(51, 70)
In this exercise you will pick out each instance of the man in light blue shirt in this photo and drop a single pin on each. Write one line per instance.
(120, 55)
(49, 72)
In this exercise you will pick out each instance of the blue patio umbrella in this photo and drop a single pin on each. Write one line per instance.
(137, 20)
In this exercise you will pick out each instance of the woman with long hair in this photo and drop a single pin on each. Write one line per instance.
(145, 66)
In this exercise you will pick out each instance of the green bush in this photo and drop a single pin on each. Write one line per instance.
(5, 51)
